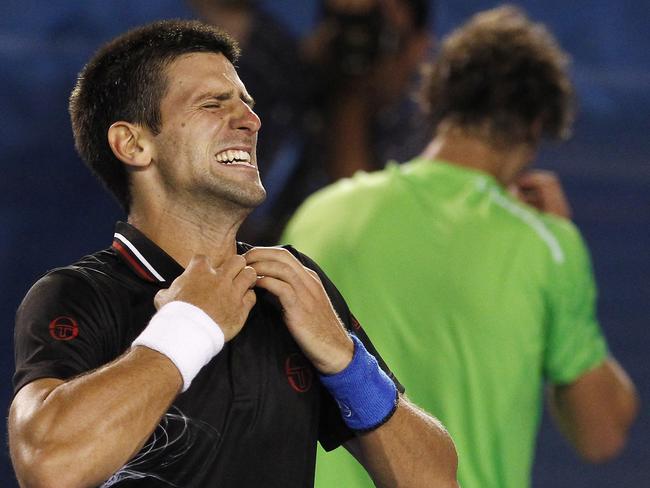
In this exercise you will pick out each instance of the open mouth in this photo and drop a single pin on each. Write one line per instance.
(234, 156)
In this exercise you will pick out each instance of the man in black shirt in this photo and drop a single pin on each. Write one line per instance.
(180, 357)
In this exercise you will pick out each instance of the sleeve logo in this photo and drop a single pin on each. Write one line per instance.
(64, 328)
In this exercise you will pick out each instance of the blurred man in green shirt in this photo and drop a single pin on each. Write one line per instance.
(478, 295)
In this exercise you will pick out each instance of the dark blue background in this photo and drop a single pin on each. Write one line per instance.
(52, 210)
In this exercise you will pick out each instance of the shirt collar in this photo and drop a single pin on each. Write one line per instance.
(146, 259)
(436, 166)
(143, 256)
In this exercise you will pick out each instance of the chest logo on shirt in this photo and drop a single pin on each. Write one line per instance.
(299, 372)
(64, 328)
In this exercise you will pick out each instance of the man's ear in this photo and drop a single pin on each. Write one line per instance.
(131, 144)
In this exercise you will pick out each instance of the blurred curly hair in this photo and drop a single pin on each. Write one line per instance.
(503, 78)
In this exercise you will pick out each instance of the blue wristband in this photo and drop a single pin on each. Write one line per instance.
(365, 394)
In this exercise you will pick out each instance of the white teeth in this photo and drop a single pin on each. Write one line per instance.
(243, 156)
(233, 155)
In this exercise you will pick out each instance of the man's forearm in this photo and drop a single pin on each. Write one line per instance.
(103, 418)
(412, 449)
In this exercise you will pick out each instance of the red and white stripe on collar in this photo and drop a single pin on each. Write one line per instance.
(135, 259)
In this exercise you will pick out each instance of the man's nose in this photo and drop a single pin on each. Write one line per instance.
(246, 118)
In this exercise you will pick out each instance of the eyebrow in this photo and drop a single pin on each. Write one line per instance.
(248, 100)
(222, 97)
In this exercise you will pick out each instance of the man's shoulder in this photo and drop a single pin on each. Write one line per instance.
(360, 184)
(558, 234)
(101, 266)
(337, 202)
(563, 229)
(89, 276)
(568, 235)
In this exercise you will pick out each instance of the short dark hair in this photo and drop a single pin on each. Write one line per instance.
(125, 80)
(504, 77)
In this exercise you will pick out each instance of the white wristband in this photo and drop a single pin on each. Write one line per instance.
(186, 335)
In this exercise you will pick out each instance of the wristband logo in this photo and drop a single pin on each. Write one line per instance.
(299, 372)
(64, 328)
(345, 410)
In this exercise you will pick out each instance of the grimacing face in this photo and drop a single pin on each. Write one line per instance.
(206, 148)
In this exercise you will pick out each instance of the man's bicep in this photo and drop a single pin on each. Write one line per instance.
(24, 408)
(583, 391)
(30, 397)
(37, 390)
(588, 398)
(595, 410)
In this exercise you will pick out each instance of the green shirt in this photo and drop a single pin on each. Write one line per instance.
(473, 298)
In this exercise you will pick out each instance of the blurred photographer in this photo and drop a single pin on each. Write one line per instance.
(367, 54)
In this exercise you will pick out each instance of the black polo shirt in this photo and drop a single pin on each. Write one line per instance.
(251, 416)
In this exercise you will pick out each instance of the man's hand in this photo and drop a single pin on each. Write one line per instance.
(225, 293)
(542, 190)
(307, 309)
